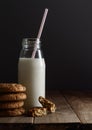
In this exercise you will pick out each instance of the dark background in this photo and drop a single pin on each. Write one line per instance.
(66, 39)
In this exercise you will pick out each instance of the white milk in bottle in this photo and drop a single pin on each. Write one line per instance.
(31, 72)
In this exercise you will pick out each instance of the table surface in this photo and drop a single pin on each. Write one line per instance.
(73, 106)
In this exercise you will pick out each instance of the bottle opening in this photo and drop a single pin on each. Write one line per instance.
(30, 42)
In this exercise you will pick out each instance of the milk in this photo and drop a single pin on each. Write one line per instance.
(31, 73)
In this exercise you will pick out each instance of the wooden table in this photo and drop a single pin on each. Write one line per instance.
(74, 112)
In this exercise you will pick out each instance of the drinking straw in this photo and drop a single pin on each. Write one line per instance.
(40, 31)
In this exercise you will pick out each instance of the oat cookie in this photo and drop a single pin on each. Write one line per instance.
(12, 87)
(12, 112)
(47, 104)
(11, 105)
(13, 97)
(37, 112)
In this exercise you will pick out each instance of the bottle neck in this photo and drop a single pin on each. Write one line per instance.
(28, 45)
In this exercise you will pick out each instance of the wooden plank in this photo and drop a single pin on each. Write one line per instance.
(63, 114)
(81, 102)
(16, 126)
(20, 119)
(57, 126)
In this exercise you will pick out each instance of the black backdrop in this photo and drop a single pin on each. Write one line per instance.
(66, 39)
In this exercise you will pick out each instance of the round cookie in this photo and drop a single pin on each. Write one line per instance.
(12, 112)
(12, 87)
(12, 97)
(11, 105)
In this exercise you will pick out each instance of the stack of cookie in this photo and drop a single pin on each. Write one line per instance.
(12, 98)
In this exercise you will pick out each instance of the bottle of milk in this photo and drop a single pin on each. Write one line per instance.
(31, 72)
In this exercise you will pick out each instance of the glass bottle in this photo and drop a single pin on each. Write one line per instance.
(31, 72)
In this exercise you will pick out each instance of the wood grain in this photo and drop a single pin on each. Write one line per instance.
(81, 103)
(15, 120)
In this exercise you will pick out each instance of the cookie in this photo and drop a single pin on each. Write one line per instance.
(11, 105)
(37, 112)
(13, 97)
(12, 112)
(12, 87)
(47, 104)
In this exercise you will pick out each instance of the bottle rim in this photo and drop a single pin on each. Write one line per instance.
(37, 40)
(30, 41)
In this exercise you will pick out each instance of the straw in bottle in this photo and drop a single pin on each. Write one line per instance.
(40, 31)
